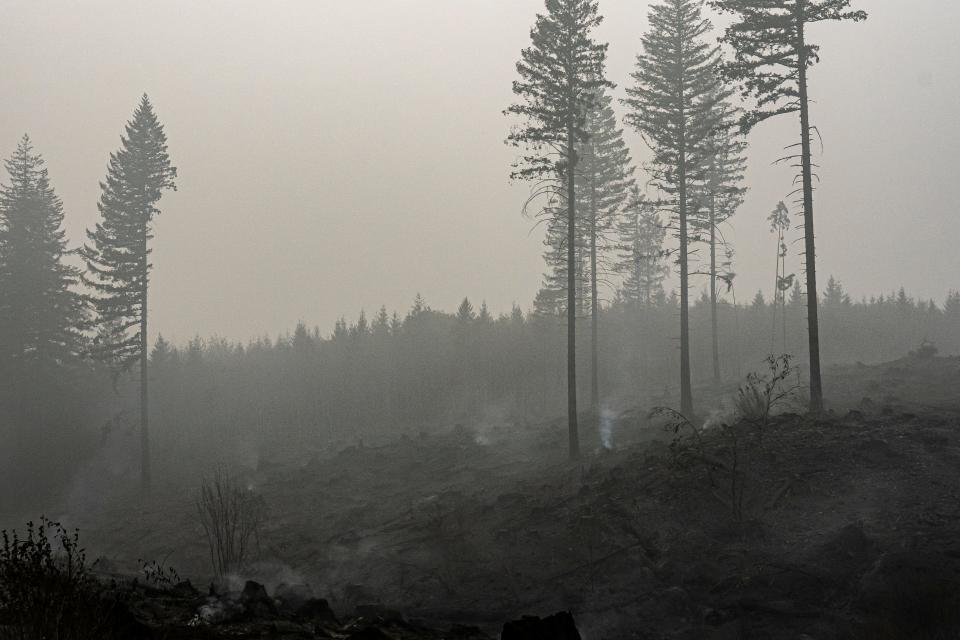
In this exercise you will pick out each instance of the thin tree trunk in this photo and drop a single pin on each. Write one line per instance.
(713, 290)
(20, 388)
(594, 310)
(571, 301)
(783, 308)
(813, 324)
(686, 393)
(776, 293)
(145, 477)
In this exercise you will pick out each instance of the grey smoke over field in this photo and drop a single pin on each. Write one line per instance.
(335, 156)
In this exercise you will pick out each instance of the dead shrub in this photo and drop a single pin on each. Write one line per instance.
(231, 516)
(759, 398)
(728, 446)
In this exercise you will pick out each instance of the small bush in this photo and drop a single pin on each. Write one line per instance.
(687, 446)
(46, 590)
(158, 575)
(925, 351)
(761, 395)
(728, 443)
(231, 517)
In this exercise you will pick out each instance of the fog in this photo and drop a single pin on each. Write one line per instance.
(336, 156)
(422, 319)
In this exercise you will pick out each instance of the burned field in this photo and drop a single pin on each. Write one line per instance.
(842, 525)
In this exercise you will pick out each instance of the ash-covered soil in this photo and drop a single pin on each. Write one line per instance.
(845, 525)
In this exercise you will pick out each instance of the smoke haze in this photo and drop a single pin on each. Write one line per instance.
(332, 155)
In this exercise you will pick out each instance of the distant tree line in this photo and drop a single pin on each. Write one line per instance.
(371, 380)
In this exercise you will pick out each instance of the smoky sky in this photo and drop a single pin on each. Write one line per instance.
(336, 156)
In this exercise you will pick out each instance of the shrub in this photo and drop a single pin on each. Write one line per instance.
(158, 575)
(46, 590)
(231, 517)
(761, 395)
(728, 445)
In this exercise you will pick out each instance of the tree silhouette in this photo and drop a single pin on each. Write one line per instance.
(41, 313)
(779, 220)
(673, 105)
(561, 75)
(641, 235)
(604, 178)
(719, 196)
(771, 58)
(118, 258)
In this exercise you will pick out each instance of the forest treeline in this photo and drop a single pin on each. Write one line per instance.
(430, 369)
(374, 379)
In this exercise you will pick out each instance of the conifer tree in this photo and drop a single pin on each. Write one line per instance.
(162, 352)
(484, 316)
(561, 75)
(759, 302)
(673, 105)
(340, 330)
(466, 318)
(772, 55)
(546, 304)
(779, 220)
(43, 385)
(118, 256)
(419, 307)
(603, 181)
(719, 196)
(381, 323)
(41, 313)
(834, 296)
(359, 330)
(465, 313)
(951, 305)
(640, 240)
(796, 294)
(555, 256)
(396, 324)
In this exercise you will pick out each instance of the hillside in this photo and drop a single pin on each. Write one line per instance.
(850, 525)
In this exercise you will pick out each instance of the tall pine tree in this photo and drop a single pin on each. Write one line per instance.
(561, 75)
(604, 178)
(771, 58)
(41, 313)
(673, 105)
(719, 195)
(118, 256)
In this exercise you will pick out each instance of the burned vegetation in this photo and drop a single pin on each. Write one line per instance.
(620, 458)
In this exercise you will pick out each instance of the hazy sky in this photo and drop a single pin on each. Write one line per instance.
(336, 156)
